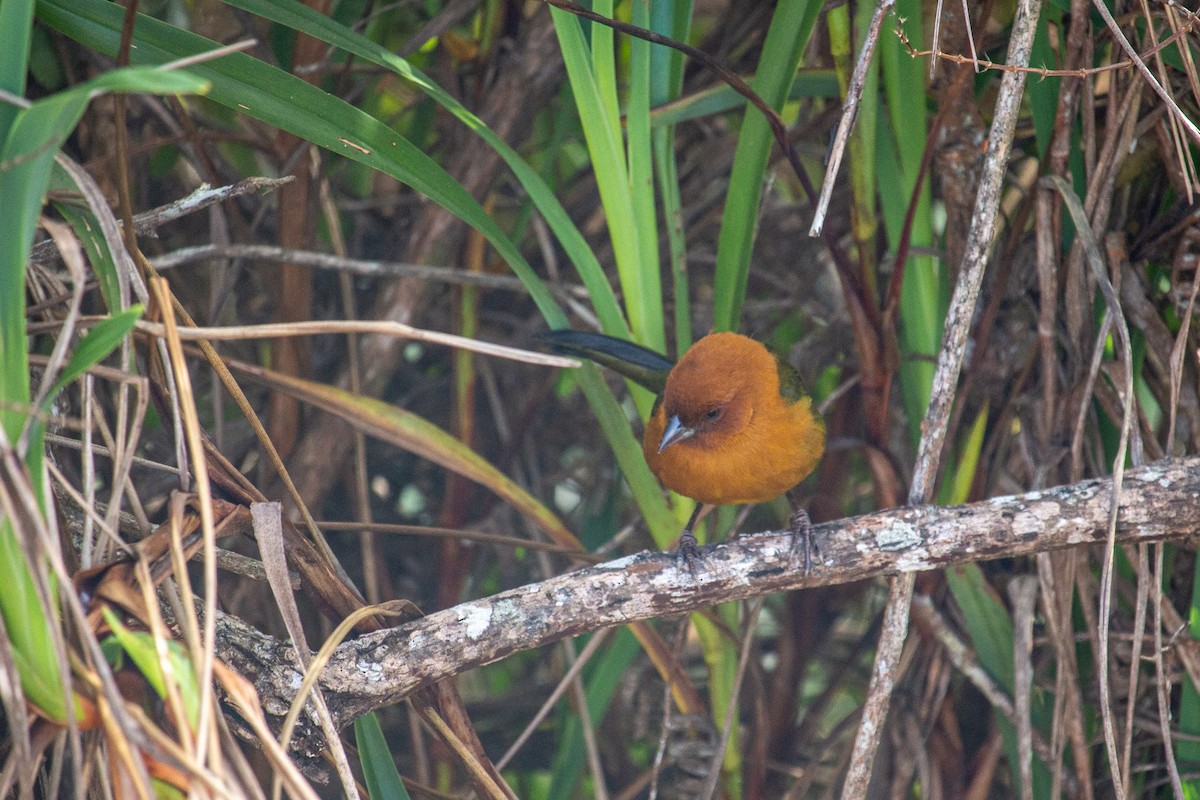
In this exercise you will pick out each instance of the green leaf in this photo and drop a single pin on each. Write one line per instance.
(28, 629)
(279, 98)
(16, 26)
(959, 489)
(787, 38)
(143, 652)
(95, 346)
(301, 18)
(379, 771)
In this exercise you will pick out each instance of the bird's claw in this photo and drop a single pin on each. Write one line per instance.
(802, 538)
(687, 551)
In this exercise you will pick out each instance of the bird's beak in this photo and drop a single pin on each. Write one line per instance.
(676, 432)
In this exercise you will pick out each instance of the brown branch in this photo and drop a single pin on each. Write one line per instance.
(1159, 502)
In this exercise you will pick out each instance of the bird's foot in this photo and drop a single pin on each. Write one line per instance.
(802, 539)
(687, 551)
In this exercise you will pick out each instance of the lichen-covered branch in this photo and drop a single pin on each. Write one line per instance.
(1159, 501)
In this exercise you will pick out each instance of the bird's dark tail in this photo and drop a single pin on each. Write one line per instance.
(639, 364)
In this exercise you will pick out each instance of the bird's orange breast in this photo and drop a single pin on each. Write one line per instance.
(774, 453)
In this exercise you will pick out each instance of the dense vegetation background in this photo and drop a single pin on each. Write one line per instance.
(491, 169)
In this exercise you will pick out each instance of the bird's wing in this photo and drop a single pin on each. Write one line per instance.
(790, 384)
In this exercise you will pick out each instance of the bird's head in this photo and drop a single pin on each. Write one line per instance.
(710, 394)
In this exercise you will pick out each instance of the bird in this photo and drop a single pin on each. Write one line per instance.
(731, 423)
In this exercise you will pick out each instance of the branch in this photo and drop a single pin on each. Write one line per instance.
(1158, 502)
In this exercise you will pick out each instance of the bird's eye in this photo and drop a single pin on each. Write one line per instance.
(713, 413)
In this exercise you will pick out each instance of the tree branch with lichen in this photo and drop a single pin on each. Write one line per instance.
(1159, 501)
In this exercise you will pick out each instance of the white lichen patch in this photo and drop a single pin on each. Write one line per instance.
(913, 561)
(476, 619)
(371, 671)
(505, 612)
(898, 535)
(1035, 518)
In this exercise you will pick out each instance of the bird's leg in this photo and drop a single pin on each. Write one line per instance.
(801, 526)
(687, 540)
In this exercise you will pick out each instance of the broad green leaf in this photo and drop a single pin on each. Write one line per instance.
(379, 771)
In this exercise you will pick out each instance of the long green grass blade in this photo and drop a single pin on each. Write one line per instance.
(641, 180)
(901, 148)
(16, 28)
(301, 18)
(787, 37)
(276, 97)
(379, 771)
(602, 134)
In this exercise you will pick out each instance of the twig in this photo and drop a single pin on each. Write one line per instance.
(384, 327)
(203, 197)
(358, 266)
(1163, 681)
(1022, 593)
(1172, 106)
(564, 683)
(849, 115)
(714, 769)
(984, 65)
(945, 379)
(1117, 318)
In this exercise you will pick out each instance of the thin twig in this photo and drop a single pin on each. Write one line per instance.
(1114, 313)
(564, 683)
(849, 114)
(984, 65)
(1171, 105)
(958, 325)
(357, 266)
(149, 221)
(1163, 680)
(1022, 592)
(389, 328)
(714, 770)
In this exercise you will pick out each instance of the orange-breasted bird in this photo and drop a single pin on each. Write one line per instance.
(731, 424)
